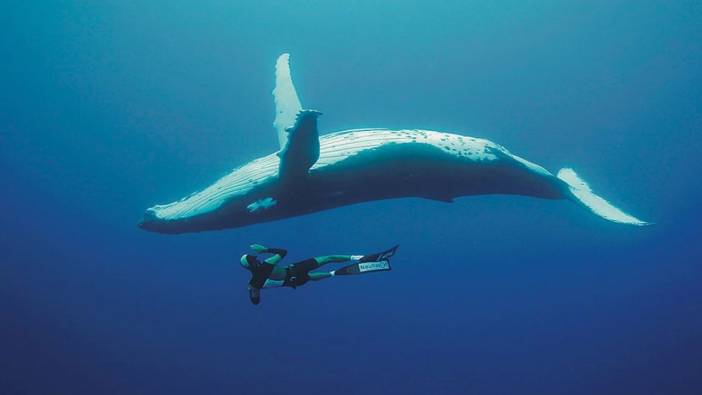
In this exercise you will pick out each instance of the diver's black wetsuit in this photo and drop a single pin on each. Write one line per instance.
(297, 274)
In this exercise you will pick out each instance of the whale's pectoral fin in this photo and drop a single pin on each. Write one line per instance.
(287, 104)
(302, 148)
(581, 193)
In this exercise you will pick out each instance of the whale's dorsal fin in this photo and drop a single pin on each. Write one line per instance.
(287, 104)
(302, 148)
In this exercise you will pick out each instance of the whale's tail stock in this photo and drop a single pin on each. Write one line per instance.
(581, 193)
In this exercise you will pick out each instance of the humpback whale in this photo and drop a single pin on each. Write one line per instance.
(313, 172)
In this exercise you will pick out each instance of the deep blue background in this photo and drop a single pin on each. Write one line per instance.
(108, 108)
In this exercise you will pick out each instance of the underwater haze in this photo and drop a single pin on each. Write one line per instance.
(107, 108)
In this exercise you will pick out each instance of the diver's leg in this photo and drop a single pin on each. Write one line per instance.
(316, 276)
(385, 255)
(323, 260)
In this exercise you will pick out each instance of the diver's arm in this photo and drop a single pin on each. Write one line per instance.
(278, 253)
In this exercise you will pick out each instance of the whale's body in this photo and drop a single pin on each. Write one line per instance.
(313, 173)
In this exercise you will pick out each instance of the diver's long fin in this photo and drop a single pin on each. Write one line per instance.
(287, 104)
(364, 267)
(582, 194)
(380, 256)
(302, 148)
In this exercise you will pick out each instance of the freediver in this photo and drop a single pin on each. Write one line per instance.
(269, 273)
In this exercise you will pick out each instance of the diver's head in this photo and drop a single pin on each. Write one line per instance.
(247, 261)
(255, 295)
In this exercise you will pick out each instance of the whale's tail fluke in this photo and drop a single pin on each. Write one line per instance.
(582, 193)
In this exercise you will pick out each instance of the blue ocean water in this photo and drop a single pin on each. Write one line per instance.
(108, 108)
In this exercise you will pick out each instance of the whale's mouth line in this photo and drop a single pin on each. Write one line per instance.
(148, 226)
(151, 222)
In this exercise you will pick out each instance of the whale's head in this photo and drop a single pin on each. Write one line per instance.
(242, 197)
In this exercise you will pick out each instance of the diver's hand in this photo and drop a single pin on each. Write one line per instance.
(258, 248)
